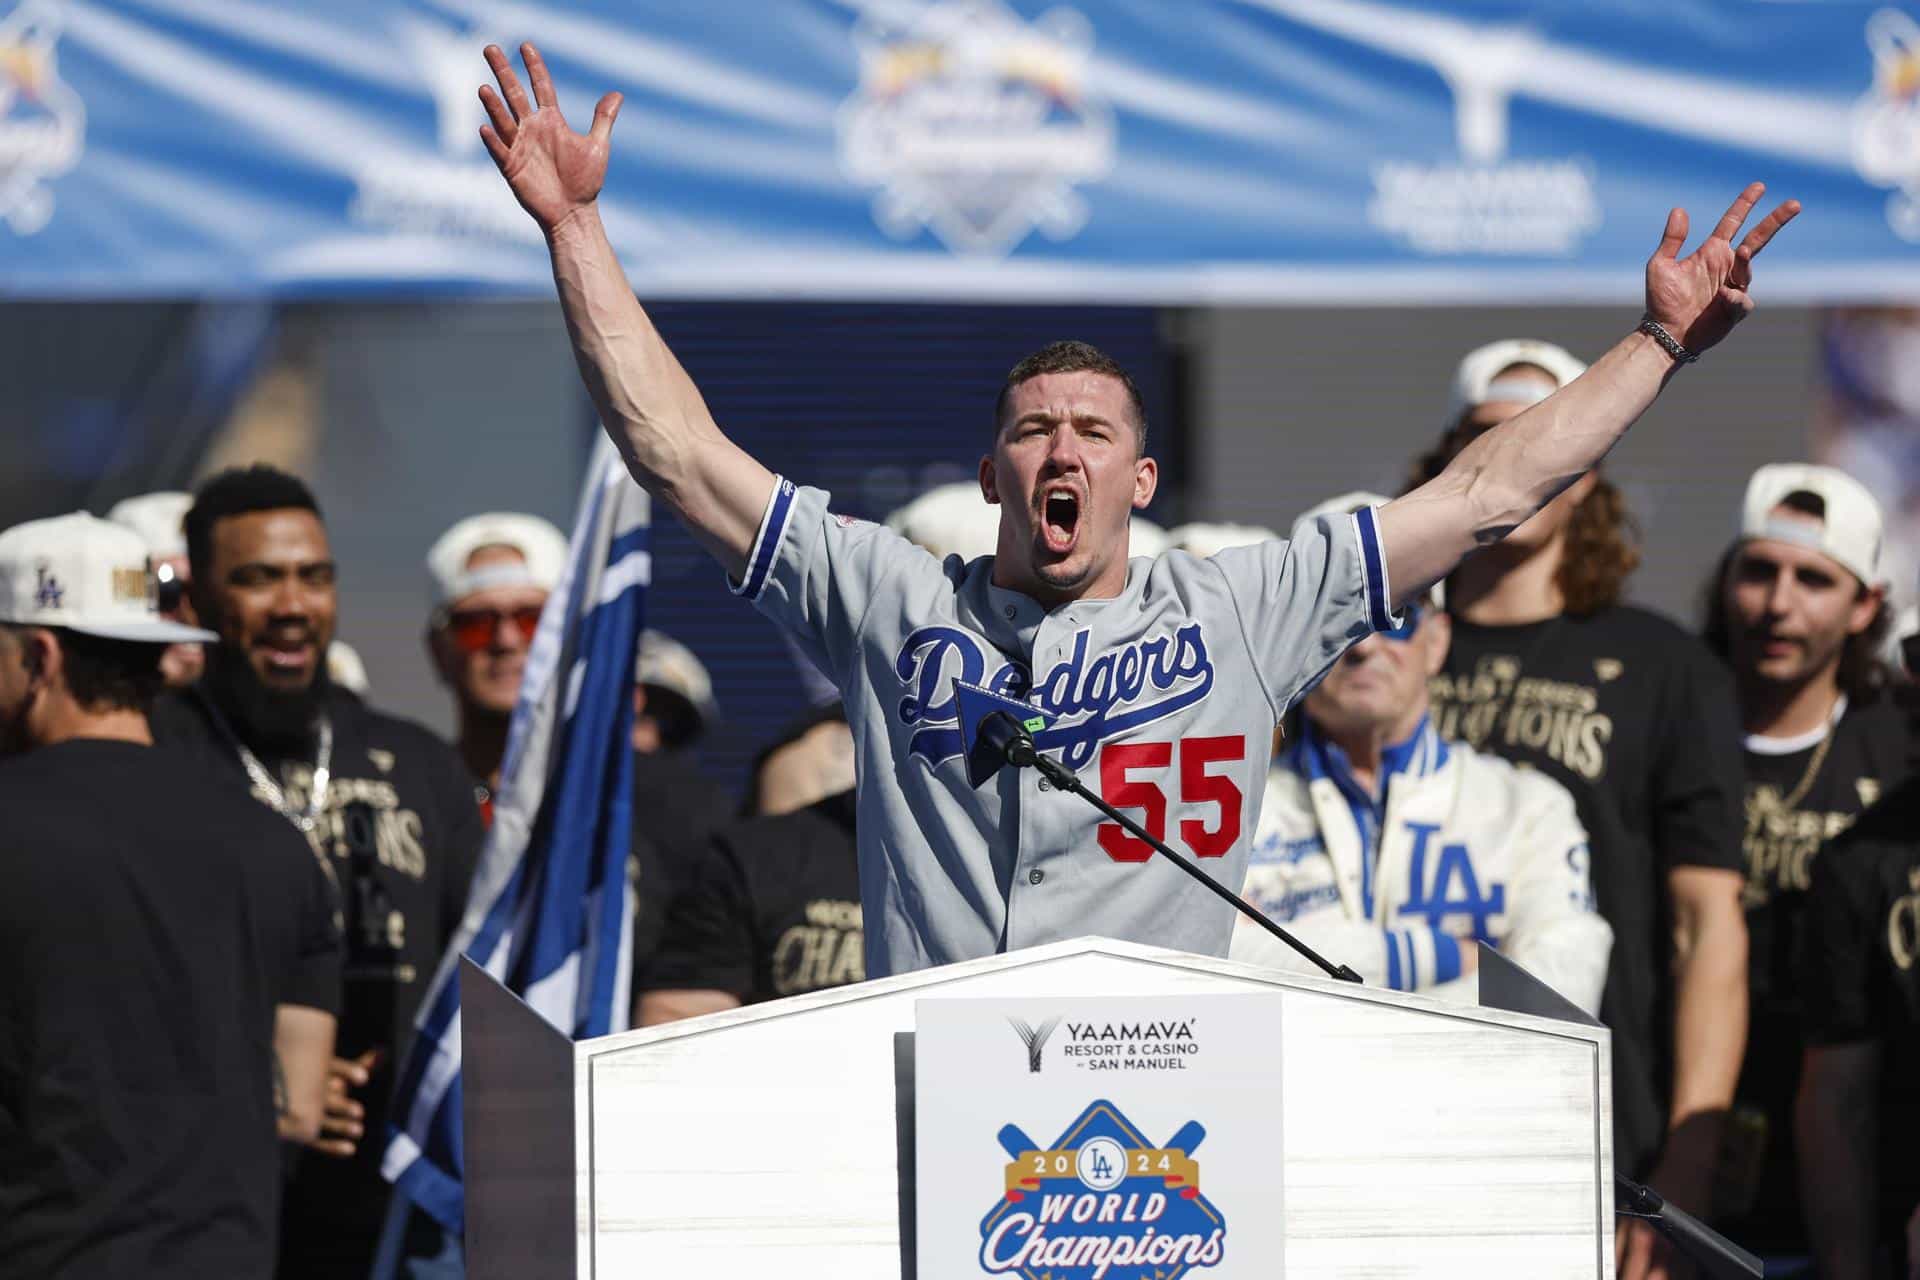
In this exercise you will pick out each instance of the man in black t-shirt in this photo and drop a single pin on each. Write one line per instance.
(1798, 610)
(387, 807)
(677, 807)
(1859, 1105)
(1636, 719)
(169, 960)
(771, 909)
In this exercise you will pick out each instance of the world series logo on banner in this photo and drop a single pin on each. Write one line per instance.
(1101, 1203)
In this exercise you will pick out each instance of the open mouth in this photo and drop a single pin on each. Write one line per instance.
(1060, 520)
(288, 655)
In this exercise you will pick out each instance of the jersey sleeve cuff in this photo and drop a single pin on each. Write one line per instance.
(1446, 957)
(1373, 571)
(766, 542)
(1399, 959)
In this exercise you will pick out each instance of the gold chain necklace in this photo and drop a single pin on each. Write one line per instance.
(1793, 798)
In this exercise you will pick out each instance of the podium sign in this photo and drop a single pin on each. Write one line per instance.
(1099, 1138)
(875, 1132)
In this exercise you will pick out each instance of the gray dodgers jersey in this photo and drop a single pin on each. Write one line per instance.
(1163, 699)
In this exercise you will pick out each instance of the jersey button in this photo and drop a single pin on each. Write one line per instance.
(1035, 876)
(1010, 612)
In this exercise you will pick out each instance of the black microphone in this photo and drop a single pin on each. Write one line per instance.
(1001, 740)
(1712, 1252)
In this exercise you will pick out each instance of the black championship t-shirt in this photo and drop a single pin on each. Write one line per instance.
(1796, 801)
(401, 832)
(773, 910)
(1636, 719)
(1863, 980)
(676, 811)
(151, 920)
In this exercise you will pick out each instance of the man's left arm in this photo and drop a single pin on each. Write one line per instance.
(1501, 478)
(1709, 1026)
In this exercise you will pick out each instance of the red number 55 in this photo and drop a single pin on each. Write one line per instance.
(1197, 786)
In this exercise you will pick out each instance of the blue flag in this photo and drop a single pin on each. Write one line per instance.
(549, 914)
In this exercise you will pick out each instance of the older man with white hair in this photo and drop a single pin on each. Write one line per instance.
(490, 575)
(1391, 850)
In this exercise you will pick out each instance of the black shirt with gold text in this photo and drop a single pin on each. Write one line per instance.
(401, 834)
(772, 910)
(1637, 720)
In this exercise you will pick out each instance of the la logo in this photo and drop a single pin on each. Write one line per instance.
(48, 591)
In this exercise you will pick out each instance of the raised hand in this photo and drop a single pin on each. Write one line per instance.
(1699, 298)
(554, 172)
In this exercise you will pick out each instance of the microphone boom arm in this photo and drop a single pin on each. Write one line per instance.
(1021, 752)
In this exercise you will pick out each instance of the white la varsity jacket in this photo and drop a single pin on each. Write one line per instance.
(1469, 847)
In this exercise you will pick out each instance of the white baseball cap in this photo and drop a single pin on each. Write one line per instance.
(542, 548)
(1477, 381)
(1145, 538)
(1204, 539)
(1848, 530)
(950, 520)
(667, 664)
(159, 517)
(346, 668)
(87, 575)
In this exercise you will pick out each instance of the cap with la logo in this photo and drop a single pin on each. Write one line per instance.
(86, 575)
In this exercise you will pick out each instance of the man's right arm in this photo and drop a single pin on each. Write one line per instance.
(647, 403)
(1835, 1121)
(1836, 1114)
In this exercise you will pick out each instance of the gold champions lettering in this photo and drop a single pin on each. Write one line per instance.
(1556, 717)
(1903, 925)
(397, 833)
(827, 950)
(1781, 842)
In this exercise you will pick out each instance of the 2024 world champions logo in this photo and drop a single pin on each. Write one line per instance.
(1886, 119)
(1101, 1203)
(42, 120)
(975, 124)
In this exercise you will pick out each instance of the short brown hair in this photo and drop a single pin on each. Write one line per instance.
(1072, 357)
(1602, 546)
(102, 674)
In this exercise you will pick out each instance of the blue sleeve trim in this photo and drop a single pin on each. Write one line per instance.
(1446, 957)
(1374, 565)
(767, 542)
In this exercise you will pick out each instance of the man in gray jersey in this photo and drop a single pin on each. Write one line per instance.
(1159, 680)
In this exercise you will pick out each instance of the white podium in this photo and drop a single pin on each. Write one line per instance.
(1418, 1138)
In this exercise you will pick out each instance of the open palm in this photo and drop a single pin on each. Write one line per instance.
(553, 170)
(1699, 298)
